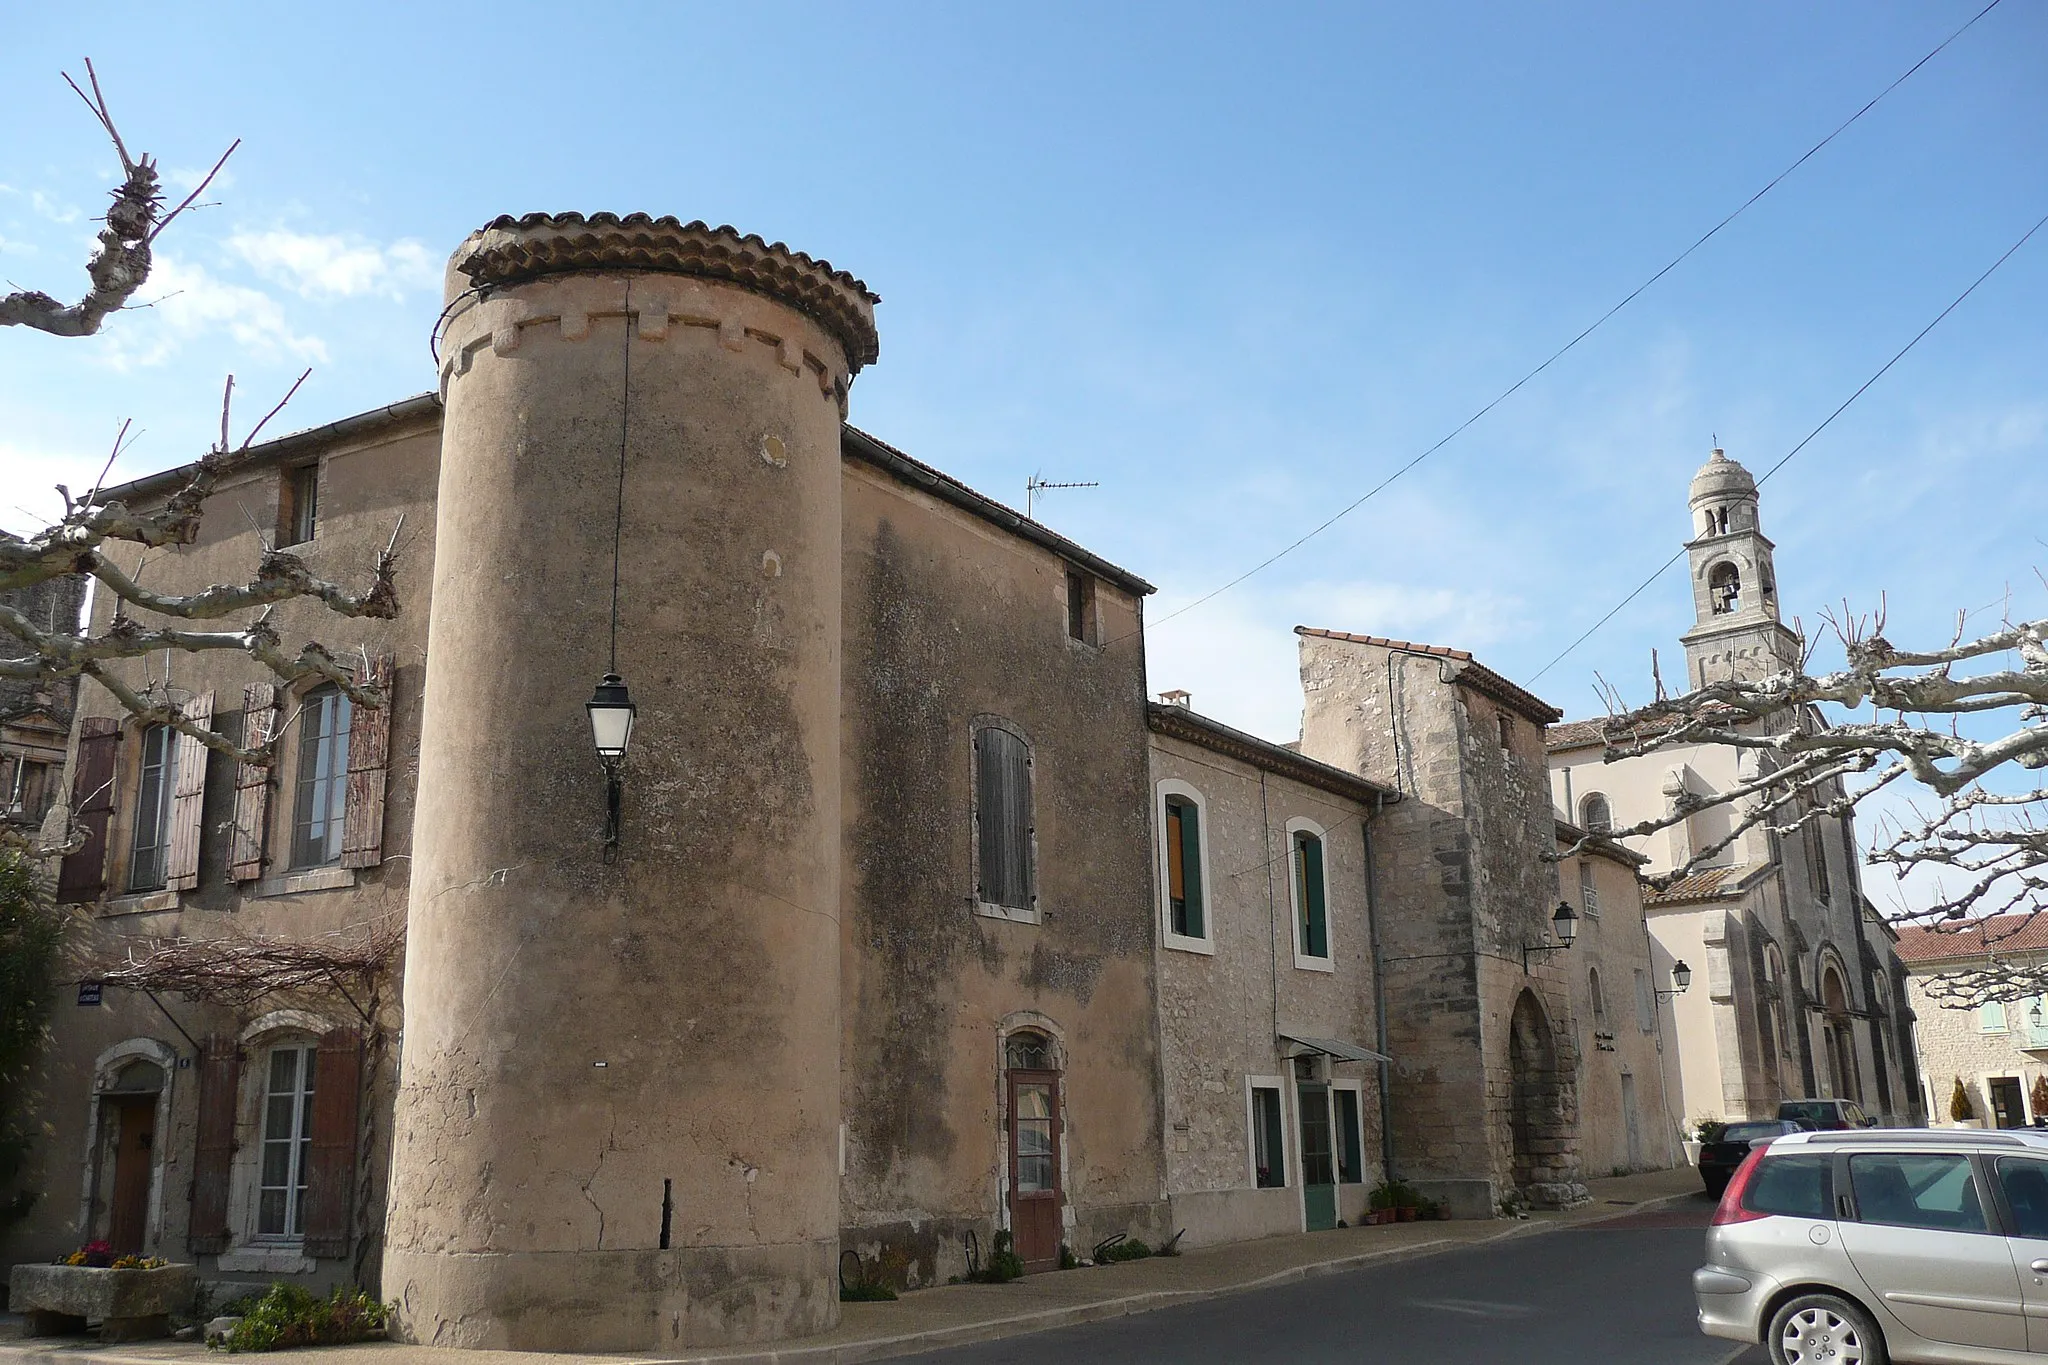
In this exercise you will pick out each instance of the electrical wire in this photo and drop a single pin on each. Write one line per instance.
(1561, 351)
(1897, 356)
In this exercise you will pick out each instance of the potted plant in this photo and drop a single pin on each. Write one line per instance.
(2038, 1099)
(1960, 1110)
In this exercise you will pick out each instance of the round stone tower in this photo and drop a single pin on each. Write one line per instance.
(617, 1127)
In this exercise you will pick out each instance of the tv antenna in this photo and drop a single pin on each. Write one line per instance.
(1035, 485)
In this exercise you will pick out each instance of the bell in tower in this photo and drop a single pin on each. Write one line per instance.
(1736, 633)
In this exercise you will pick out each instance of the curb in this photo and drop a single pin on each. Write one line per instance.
(988, 1329)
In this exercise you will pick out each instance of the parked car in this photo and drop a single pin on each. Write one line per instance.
(1826, 1114)
(1719, 1158)
(1857, 1247)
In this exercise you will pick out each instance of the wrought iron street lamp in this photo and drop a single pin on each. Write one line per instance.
(611, 712)
(1565, 924)
(1681, 977)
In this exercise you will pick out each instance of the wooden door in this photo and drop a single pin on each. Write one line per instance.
(1035, 1167)
(1318, 1158)
(134, 1119)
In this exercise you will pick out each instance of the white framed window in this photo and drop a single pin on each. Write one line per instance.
(1596, 816)
(149, 857)
(1308, 894)
(287, 1140)
(1589, 889)
(1266, 1131)
(1185, 914)
(320, 812)
(1005, 835)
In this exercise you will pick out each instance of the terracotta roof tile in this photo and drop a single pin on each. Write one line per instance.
(1698, 886)
(1973, 937)
(1580, 734)
(1474, 673)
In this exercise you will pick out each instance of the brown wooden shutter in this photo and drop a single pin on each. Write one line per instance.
(220, 1074)
(187, 798)
(83, 875)
(369, 744)
(252, 784)
(331, 1163)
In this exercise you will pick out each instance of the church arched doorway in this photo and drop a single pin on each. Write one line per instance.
(1536, 1105)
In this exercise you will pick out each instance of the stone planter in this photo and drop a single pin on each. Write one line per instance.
(128, 1304)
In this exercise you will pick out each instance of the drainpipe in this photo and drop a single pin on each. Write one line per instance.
(1379, 990)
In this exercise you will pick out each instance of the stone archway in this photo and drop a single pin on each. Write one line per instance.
(1837, 1033)
(1544, 1162)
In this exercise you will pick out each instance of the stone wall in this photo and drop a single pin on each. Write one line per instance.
(1954, 1043)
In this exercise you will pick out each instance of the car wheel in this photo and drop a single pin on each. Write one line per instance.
(1824, 1329)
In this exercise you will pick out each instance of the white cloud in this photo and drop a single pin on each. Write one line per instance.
(190, 303)
(336, 267)
(52, 210)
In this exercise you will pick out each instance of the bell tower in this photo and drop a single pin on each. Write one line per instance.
(1736, 632)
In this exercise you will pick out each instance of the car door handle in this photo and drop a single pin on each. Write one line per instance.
(2039, 1267)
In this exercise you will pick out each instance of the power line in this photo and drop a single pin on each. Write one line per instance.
(1561, 351)
(1787, 457)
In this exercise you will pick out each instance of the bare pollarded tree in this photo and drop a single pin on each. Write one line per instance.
(235, 617)
(1820, 745)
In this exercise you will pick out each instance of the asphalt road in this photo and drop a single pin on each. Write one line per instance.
(1618, 1292)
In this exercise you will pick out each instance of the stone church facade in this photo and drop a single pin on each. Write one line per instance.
(1799, 988)
(924, 929)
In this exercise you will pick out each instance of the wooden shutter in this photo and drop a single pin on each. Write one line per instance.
(252, 784)
(187, 799)
(369, 746)
(1315, 927)
(331, 1163)
(220, 1074)
(1191, 869)
(1003, 813)
(83, 875)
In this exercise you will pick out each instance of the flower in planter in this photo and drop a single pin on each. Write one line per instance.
(99, 1254)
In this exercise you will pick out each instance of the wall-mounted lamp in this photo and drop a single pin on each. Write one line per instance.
(1681, 977)
(1565, 923)
(611, 713)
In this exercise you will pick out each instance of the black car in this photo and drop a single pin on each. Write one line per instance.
(1719, 1158)
(1826, 1115)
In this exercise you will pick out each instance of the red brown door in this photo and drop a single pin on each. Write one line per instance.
(128, 1210)
(1035, 1167)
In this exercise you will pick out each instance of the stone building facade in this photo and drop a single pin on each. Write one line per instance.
(1997, 1049)
(1798, 991)
(885, 964)
(35, 718)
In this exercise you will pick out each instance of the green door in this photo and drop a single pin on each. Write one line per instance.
(1318, 1158)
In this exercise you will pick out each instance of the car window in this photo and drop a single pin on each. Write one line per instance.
(1853, 1114)
(1797, 1186)
(1751, 1132)
(1917, 1190)
(2026, 1191)
(1813, 1111)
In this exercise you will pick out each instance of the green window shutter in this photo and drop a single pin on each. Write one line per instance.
(1315, 929)
(1191, 870)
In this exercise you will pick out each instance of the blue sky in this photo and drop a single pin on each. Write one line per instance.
(1234, 263)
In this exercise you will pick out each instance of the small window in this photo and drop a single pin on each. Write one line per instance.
(1724, 588)
(158, 780)
(1595, 815)
(1991, 1017)
(1646, 1003)
(1002, 818)
(1794, 1186)
(1311, 913)
(28, 788)
(1817, 854)
(1269, 1143)
(1350, 1144)
(301, 505)
(287, 1137)
(322, 806)
(1507, 730)
(1589, 890)
(1081, 606)
(1931, 1190)
(1184, 908)
(1598, 993)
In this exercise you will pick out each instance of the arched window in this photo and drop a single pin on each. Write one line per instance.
(1721, 519)
(1003, 829)
(321, 811)
(1595, 815)
(1598, 993)
(1181, 856)
(1724, 588)
(287, 1139)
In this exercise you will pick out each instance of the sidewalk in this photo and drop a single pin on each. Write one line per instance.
(955, 1315)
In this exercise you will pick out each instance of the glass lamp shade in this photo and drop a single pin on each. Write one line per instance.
(611, 717)
(1566, 923)
(1681, 975)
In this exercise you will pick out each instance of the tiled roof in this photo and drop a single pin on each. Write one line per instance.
(1699, 886)
(1474, 673)
(1973, 937)
(1580, 734)
(1184, 723)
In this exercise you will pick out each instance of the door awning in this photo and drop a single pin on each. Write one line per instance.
(1333, 1047)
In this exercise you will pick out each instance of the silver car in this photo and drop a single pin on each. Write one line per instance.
(1854, 1248)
